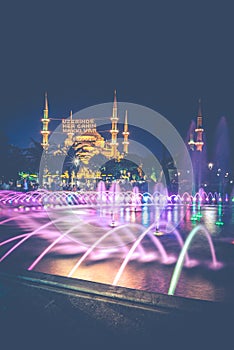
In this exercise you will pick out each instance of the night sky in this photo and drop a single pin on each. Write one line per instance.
(161, 54)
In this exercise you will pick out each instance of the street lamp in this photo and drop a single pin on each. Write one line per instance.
(210, 166)
(76, 161)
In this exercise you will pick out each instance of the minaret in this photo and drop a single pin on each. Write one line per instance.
(125, 134)
(199, 130)
(45, 121)
(71, 124)
(114, 129)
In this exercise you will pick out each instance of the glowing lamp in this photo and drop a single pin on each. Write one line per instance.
(219, 223)
(210, 166)
(158, 233)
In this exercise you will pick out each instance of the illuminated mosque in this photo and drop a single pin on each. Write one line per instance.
(82, 136)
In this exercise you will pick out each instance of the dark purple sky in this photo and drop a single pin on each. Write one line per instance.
(161, 54)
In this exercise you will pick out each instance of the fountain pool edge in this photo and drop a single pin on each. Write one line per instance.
(90, 311)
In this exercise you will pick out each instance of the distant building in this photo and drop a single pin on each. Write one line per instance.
(82, 136)
(197, 151)
(196, 142)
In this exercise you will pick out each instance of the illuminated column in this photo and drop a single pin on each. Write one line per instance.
(45, 122)
(114, 129)
(125, 134)
(199, 130)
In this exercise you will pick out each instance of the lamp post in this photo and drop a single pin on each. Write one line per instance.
(73, 171)
(210, 177)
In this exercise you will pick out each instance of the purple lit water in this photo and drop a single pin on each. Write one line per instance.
(57, 248)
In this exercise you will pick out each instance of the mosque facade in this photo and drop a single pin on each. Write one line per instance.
(82, 137)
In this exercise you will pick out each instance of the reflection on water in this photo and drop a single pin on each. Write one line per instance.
(57, 247)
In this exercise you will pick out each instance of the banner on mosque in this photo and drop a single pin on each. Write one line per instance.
(78, 126)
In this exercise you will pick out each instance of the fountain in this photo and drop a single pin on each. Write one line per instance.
(180, 261)
(110, 228)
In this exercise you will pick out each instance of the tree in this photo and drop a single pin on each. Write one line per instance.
(33, 156)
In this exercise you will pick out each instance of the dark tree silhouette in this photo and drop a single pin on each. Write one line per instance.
(33, 156)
